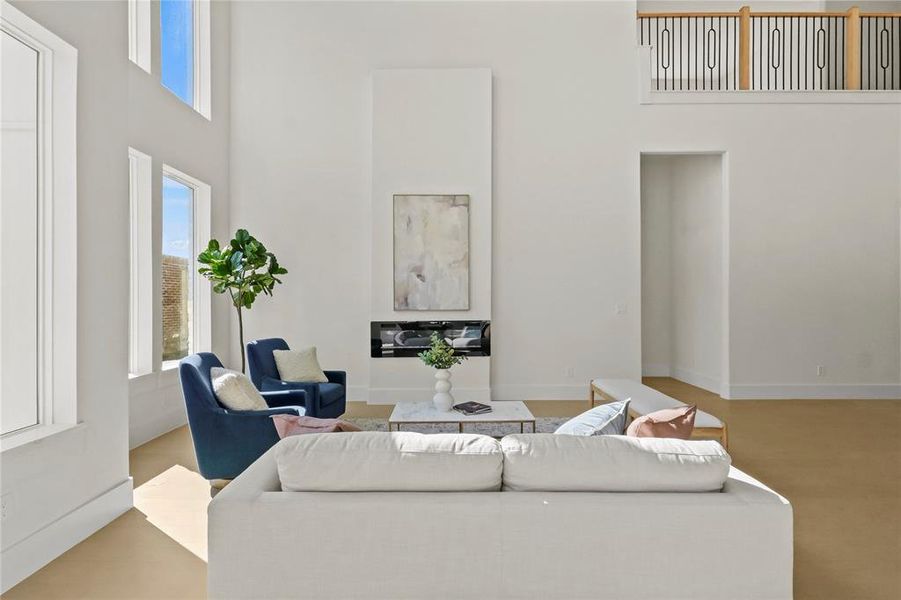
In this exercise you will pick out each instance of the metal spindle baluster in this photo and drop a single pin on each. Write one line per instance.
(836, 51)
(844, 70)
(791, 52)
(672, 50)
(806, 44)
(726, 66)
(883, 56)
(657, 48)
(864, 73)
(719, 56)
(782, 51)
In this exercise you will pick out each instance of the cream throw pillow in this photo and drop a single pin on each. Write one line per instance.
(235, 391)
(299, 365)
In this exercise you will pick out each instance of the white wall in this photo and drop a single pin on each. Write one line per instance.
(656, 266)
(682, 242)
(74, 481)
(697, 259)
(813, 253)
(172, 133)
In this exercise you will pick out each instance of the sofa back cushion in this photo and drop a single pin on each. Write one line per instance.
(371, 461)
(612, 463)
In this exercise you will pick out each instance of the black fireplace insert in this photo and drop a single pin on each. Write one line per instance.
(409, 338)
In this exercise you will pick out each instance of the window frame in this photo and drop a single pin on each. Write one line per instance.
(57, 398)
(201, 326)
(140, 313)
(139, 33)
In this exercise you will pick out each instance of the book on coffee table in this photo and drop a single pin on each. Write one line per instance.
(472, 408)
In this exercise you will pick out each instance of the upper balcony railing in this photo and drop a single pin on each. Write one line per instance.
(773, 50)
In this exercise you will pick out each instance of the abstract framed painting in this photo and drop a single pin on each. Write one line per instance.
(431, 252)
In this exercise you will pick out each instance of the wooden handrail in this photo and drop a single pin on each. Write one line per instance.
(667, 15)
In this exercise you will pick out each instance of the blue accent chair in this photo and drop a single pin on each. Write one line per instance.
(323, 400)
(227, 441)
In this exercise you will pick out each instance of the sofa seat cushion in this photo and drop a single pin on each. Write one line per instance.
(612, 463)
(372, 461)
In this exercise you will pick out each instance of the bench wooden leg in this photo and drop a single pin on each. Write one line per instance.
(718, 433)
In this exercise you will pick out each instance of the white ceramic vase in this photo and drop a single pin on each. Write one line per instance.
(442, 399)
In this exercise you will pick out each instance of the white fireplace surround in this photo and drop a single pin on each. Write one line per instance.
(431, 134)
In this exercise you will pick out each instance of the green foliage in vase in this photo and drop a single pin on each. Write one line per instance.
(243, 269)
(440, 355)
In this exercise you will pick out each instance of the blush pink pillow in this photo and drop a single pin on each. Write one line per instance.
(287, 425)
(666, 423)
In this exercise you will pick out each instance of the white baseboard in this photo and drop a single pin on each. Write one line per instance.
(711, 384)
(852, 391)
(656, 370)
(30, 554)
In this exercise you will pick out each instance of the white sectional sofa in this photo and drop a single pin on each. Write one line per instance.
(464, 516)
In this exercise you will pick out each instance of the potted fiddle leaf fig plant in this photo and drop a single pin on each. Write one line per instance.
(243, 269)
(441, 356)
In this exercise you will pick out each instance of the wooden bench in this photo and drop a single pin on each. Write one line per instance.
(644, 400)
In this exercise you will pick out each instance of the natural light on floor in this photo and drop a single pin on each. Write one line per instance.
(175, 502)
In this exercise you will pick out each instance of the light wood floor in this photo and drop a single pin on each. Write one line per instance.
(838, 462)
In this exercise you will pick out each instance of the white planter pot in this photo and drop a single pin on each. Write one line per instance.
(442, 399)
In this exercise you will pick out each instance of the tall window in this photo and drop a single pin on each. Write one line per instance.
(177, 47)
(185, 294)
(19, 235)
(140, 312)
(185, 51)
(38, 262)
(177, 268)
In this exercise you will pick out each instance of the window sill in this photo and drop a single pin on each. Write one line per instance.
(34, 435)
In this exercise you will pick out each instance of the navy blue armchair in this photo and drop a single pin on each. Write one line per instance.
(227, 441)
(323, 400)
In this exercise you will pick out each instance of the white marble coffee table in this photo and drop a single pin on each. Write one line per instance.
(425, 413)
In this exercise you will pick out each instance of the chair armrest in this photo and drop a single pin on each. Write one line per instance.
(339, 377)
(286, 409)
(271, 384)
(285, 398)
(310, 391)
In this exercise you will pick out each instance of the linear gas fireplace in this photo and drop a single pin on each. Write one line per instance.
(409, 338)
